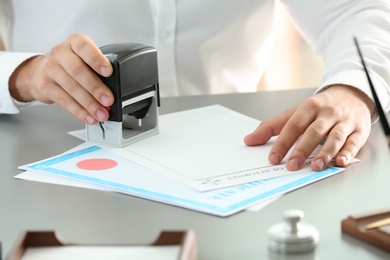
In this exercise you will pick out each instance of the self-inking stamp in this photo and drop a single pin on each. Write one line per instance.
(135, 86)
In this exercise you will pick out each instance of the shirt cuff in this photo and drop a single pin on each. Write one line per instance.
(9, 61)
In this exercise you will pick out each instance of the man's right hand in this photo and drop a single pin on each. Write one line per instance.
(66, 76)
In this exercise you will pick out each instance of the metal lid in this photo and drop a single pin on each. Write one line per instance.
(292, 235)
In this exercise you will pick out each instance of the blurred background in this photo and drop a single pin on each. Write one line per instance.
(292, 65)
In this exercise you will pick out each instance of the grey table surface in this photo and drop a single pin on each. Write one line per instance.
(90, 216)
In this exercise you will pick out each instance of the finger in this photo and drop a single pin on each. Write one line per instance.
(77, 69)
(75, 93)
(293, 129)
(268, 129)
(350, 149)
(51, 84)
(311, 138)
(343, 143)
(86, 49)
(72, 106)
(55, 93)
(334, 142)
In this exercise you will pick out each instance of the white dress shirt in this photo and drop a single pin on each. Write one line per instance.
(204, 47)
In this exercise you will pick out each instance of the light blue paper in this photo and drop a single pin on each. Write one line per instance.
(133, 179)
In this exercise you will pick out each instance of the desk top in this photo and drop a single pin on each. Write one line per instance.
(90, 216)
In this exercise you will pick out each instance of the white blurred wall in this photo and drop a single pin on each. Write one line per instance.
(292, 64)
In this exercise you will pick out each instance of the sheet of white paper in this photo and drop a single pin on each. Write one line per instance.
(45, 178)
(31, 176)
(52, 179)
(103, 168)
(102, 252)
(204, 149)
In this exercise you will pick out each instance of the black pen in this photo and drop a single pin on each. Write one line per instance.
(379, 109)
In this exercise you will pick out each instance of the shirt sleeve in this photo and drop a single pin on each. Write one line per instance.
(330, 26)
(8, 63)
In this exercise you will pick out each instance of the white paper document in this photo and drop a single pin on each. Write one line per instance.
(198, 161)
(97, 166)
(204, 149)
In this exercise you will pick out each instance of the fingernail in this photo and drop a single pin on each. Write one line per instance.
(104, 71)
(275, 158)
(344, 158)
(294, 163)
(320, 163)
(101, 115)
(105, 100)
(89, 120)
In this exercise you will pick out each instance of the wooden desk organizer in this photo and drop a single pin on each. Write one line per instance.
(355, 225)
(185, 239)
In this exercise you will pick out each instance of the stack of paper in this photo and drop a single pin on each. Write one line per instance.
(197, 161)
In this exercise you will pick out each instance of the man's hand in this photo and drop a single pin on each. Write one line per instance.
(341, 114)
(64, 76)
